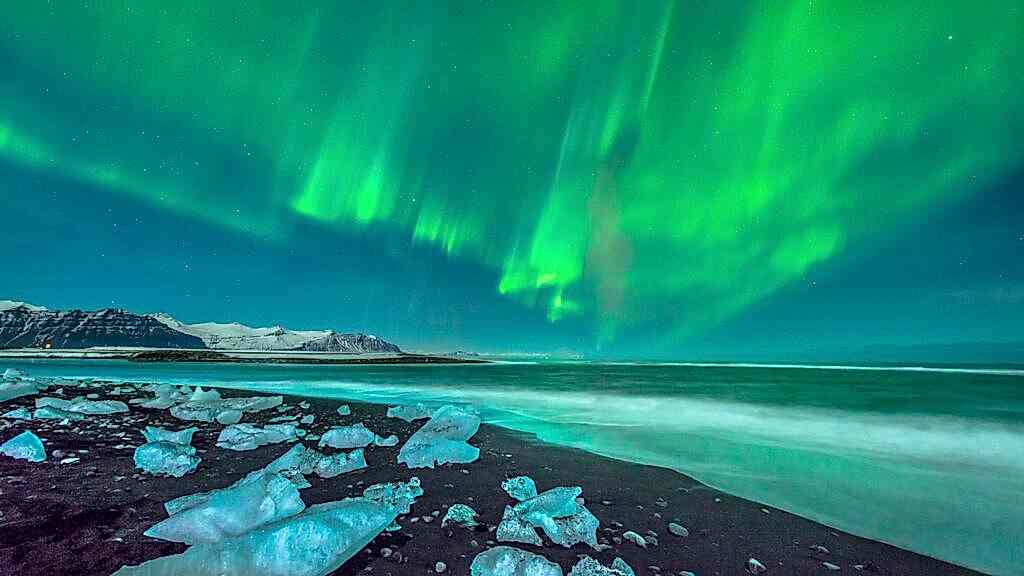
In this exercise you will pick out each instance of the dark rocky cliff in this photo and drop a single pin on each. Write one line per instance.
(355, 343)
(22, 327)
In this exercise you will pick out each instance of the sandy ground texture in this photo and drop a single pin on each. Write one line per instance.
(88, 516)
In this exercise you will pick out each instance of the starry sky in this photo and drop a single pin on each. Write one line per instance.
(723, 179)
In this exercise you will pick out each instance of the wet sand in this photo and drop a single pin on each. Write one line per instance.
(88, 517)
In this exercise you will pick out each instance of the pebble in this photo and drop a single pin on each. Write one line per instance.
(385, 552)
(440, 567)
(830, 566)
(820, 548)
(754, 566)
(678, 530)
(635, 538)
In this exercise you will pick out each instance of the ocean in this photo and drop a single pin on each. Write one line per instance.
(931, 460)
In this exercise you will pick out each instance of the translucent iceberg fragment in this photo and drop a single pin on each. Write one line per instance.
(249, 437)
(156, 434)
(331, 466)
(219, 514)
(556, 511)
(307, 419)
(587, 566)
(295, 464)
(354, 436)
(24, 446)
(166, 458)
(571, 530)
(442, 440)
(12, 388)
(410, 412)
(13, 374)
(229, 416)
(395, 495)
(225, 411)
(513, 528)
(508, 561)
(521, 487)
(553, 503)
(200, 395)
(314, 542)
(344, 410)
(19, 414)
(460, 514)
(51, 413)
(391, 440)
(83, 405)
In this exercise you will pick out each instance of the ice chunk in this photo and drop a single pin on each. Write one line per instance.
(570, 530)
(249, 437)
(314, 542)
(442, 440)
(19, 414)
(225, 411)
(14, 384)
(513, 528)
(212, 516)
(229, 416)
(331, 466)
(166, 396)
(410, 412)
(460, 514)
(344, 410)
(395, 495)
(83, 405)
(200, 395)
(587, 566)
(508, 561)
(391, 440)
(556, 511)
(295, 464)
(15, 389)
(155, 434)
(354, 436)
(307, 419)
(24, 446)
(168, 458)
(52, 413)
(13, 374)
(521, 487)
(553, 503)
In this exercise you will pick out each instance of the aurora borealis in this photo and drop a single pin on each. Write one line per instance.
(606, 172)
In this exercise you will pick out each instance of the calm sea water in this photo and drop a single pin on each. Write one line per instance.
(932, 461)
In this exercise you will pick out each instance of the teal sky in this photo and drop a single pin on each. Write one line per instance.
(726, 179)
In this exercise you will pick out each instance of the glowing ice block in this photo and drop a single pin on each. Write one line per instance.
(166, 458)
(508, 561)
(24, 446)
(442, 440)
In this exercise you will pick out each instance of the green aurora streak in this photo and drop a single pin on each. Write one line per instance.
(598, 156)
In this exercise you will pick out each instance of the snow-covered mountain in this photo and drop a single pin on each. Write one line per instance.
(236, 336)
(11, 304)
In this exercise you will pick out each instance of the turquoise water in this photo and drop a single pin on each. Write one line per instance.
(932, 461)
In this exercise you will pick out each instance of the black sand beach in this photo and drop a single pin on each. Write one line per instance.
(88, 517)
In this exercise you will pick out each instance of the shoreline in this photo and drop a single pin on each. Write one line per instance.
(160, 355)
(78, 518)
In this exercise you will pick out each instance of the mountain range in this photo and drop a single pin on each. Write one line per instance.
(26, 326)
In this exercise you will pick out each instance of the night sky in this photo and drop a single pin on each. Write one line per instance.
(690, 180)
